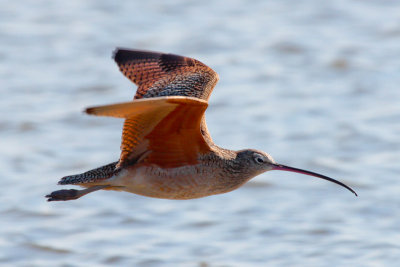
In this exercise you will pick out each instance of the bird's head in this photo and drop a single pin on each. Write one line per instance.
(257, 162)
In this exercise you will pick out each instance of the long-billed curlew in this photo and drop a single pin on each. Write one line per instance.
(166, 150)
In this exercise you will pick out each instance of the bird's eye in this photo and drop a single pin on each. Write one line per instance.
(259, 159)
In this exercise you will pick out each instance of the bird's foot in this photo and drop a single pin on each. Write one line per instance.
(63, 195)
(70, 194)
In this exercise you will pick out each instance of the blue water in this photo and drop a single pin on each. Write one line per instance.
(313, 83)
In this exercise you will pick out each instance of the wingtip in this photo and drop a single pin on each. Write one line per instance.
(121, 55)
(114, 53)
(117, 54)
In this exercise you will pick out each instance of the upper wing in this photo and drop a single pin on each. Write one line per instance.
(158, 74)
(162, 130)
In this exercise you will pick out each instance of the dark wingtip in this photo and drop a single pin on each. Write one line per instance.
(115, 52)
(121, 55)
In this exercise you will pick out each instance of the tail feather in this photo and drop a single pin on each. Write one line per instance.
(91, 176)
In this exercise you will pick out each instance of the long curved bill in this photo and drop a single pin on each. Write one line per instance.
(280, 167)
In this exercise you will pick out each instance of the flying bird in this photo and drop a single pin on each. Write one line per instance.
(166, 150)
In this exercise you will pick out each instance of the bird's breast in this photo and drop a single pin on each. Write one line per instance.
(186, 182)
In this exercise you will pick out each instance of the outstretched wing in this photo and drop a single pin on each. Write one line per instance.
(157, 74)
(164, 130)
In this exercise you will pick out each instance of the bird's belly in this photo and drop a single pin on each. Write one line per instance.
(175, 183)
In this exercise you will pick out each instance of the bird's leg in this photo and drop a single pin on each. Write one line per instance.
(70, 194)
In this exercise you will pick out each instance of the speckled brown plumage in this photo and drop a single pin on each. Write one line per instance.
(159, 74)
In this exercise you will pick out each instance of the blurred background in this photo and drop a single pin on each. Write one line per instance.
(313, 83)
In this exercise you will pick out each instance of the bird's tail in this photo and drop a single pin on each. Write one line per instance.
(91, 176)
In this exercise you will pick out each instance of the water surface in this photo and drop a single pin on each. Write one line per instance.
(315, 84)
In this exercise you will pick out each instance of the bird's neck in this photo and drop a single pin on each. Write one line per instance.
(229, 172)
